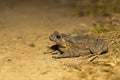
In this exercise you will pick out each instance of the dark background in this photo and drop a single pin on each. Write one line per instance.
(82, 7)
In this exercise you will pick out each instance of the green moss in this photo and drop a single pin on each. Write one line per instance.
(98, 7)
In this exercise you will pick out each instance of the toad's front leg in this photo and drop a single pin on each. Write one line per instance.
(66, 55)
(52, 49)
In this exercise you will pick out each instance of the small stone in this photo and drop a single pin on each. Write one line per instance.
(32, 45)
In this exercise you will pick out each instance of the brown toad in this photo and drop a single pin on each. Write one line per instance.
(76, 46)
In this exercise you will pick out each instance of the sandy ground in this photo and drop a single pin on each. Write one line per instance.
(21, 26)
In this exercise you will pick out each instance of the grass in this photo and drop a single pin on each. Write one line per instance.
(98, 7)
(106, 67)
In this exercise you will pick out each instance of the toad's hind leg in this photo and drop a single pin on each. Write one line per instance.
(98, 48)
(64, 55)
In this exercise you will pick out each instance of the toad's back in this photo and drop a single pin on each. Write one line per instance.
(89, 45)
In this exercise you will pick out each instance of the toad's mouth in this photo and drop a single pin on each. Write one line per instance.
(51, 39)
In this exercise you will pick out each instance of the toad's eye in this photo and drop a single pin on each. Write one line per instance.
(58, 36)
